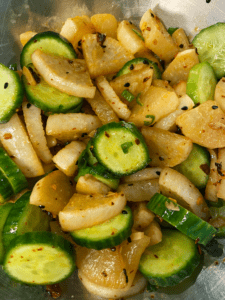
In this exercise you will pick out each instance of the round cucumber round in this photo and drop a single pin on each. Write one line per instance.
(24, 217)
(170, 261)
(11, 92)
(136, 62)
(201, 83)
(120, 148)
(210, 44)
(11, 171)
(39, 258)
(108, 234)
(4, 211)
(181, 218)
(196, 167)
(48, 98)
(49, 42)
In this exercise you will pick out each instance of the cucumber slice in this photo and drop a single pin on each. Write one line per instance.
(39, 258)
(120, 148)
(201, 83)
(6, 190)
(11, 92)
(24, 217)
(171, 30)
(4, 211)
(49, 42)
(170, 261)
(210, 43)
(196, 167)
(184, 220)
(11, 171)
(136, 63)
(108, 234)
(48, 98)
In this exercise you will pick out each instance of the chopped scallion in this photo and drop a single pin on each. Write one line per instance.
(128, 95)
(125, 146)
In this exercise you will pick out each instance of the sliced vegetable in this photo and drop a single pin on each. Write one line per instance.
(39, 258)
(6, 190)
(181, 218)
(108, 234)
(201, 83)
(49, 42)
(107, 148)
(171, 261)
(89, 185)
(171, 30)
(11, 92)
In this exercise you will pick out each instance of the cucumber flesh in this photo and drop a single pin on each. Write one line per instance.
(48, 98)
(210, 44)
(39, 258)
(108, 148)
(4, 211)
(11, 171)
(201, 83)
(6, 190)
(184, 220)
(170, 261)
(196, 167)
(136, 63)
(49, 42)
(108, 234)
(11, 93)
(24, 217)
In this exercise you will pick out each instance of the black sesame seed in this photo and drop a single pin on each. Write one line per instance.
(145, 62)
(129, 239)
(113, 249)
(184, 108)
(131, 67)
(152, 15)
(41, 206)
(208, 1)
(214, 107)
(124, 212)
(130, 184)
(103, 46)
(158, 173)
(114, 77)
(161, 158)
(181, 46)
(91, 196)
(79, 43)
(127, 84)
(80, 50)
(130, 22)
(6, 85)
(28, 105)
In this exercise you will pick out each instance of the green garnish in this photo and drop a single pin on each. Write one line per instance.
(138, 34)
(147, 123)
(125, 146)
(137, 100)
(171, 30)
(128, 95)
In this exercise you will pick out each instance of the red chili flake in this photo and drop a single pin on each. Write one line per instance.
(106, 134)
(146, 78)
(11, 256)
(113, 233)
(21, 256)
(112, 203)
(54, 290)
(148, 28)
(216, 262)
(35, 41)
(156, 256)
(197, 240)
(155, 42)
(199, 250)
(9, 262)
(34, 250)
(7, 136)
(137, 141)
(104, 274)
(39, 249)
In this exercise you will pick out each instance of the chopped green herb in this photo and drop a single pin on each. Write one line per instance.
(152, 117)
(137, 100)
(128, 95)
(171, 30)
(138, 34)
(125, 146)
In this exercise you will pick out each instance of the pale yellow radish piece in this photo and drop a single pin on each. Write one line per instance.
(180, 88)
(127, 36)
(157, 103)
(146, 53)
(169, 122)
(34, 125)
(145, 174)
(204, 125)
(26, 36)
(102, 109)
(88, 184)
(140, 190)
(181, 40)
(85, 211)
(213, 181)
(221, 173)
(156, 36)
(154, 232)
(30, 79)
(75, 28)
(48, 167)
(175, 185)
(51, 141)
(112, 99)
(180, 67)
(67, 75)
(219, 95)
(141, 215)
(163, 84)
(138, 285)
(66, 159)
(166, 149)
(106, 24)
(70, 126)
(53, 192)
(15, 140)
(104, 60)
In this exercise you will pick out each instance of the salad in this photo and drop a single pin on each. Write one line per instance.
(111, 158)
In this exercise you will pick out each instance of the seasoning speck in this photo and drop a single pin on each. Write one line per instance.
(184, 108)
(158, 172)
(124, 212)
(28, 105)
(127, 84)
(181, 46)
(131, 67)
(145, 62)
(6, 85)
(161, 158)
(152, 15)
(113, 249)
(214, 107)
